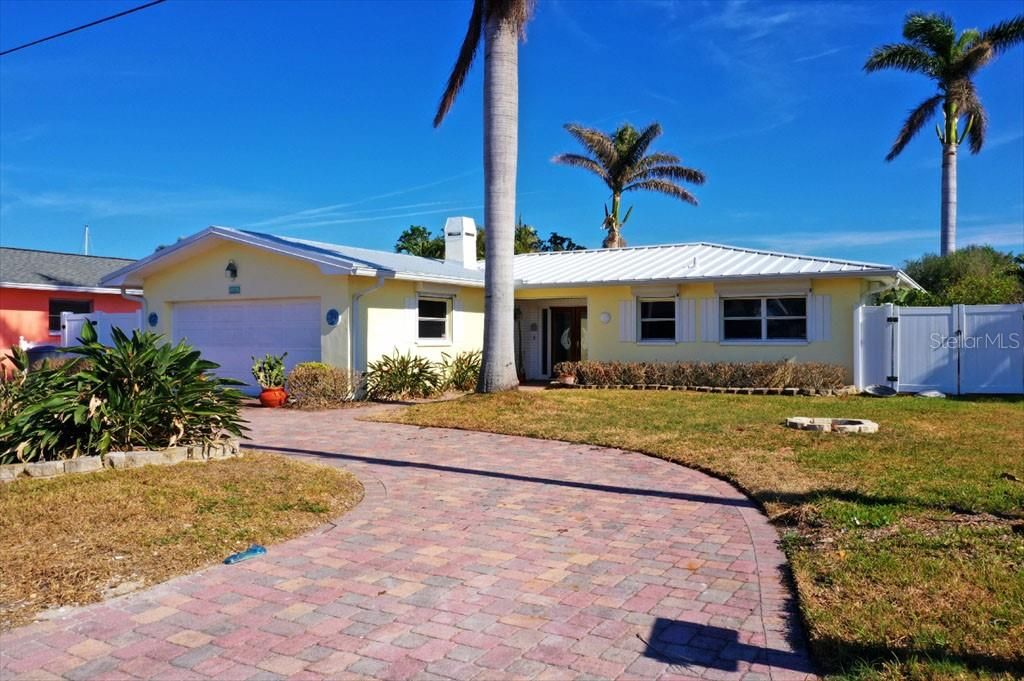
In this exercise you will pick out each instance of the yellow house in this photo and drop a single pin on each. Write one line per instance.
(235, 294)
(690, 302)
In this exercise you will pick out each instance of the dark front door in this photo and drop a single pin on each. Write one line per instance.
(566, 337)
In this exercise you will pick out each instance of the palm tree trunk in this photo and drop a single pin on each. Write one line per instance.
(614, 237)
(948, 235)
(501, 141)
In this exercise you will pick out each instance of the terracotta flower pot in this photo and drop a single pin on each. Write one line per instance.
(273, 397)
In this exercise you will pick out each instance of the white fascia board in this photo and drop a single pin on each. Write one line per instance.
(434, 279)
(519, 284)
(69, 289)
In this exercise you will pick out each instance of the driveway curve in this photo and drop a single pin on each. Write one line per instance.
(472, 556)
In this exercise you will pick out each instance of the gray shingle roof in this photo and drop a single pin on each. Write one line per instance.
(47, 268)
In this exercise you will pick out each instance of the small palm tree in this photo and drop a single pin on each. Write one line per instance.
(499, 24)
(621, 160)
(934, 50)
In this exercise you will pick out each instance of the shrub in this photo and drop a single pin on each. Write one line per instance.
(712, 374)
(269, 371)
(975, 275)
(462, 371)
(398, 376)
(314, 385)
(137, 393)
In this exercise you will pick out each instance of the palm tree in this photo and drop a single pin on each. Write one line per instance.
(500, 23)
(934, 50)
(621, 160)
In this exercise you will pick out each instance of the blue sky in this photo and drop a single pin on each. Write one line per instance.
(313, 119)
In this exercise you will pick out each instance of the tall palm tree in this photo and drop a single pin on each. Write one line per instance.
(621, 160)
(933, 49)
(500, 23)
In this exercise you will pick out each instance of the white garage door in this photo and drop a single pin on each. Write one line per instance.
(231, 333)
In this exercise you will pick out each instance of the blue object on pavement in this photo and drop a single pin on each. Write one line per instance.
(251, 552)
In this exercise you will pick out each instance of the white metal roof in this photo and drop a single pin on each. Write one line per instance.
(680, 262)
(330, 258)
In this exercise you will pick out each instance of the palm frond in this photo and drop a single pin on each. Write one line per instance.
(932, 31)
(903, 57)
(660, 158)
(977, 118)
(462, 65)
(1005, 35)
(972, 60)
(639, 148)
(924, 112)
(672, 172)
(580, 161)
(595, 141)
(663, 187)
(968, 38)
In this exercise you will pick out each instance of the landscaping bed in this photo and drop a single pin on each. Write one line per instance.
(907, 545)
(78, 538)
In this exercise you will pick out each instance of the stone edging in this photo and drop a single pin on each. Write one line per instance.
(222, 449)
(825, 392)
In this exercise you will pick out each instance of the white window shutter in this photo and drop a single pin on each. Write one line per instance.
(456, 319)
(627, 321)
(819, 318)
(686, 320)
(709, 320)
(412, 311)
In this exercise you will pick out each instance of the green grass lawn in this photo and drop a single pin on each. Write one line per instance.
(907, 546)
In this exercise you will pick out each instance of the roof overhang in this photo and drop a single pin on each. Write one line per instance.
(895, 276)
(134, 274)
(113, 290)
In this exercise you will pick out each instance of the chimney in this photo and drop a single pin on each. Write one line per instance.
(460, 241)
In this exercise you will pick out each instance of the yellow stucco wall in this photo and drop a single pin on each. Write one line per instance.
(604, 344)
(391, 324)
(264, 275)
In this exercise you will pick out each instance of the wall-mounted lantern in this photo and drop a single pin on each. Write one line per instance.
(231, 271)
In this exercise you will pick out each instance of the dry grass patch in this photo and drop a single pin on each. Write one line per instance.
(70, 540)
(907, 545)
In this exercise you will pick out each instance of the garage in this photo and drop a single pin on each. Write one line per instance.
(231, 333)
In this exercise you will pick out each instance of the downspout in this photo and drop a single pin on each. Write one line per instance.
(355, 335)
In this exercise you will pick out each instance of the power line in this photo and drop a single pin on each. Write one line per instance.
(83, 26)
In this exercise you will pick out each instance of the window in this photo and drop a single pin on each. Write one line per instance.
(433, 318)
(760, 319)
(658, 319)
(73, 306)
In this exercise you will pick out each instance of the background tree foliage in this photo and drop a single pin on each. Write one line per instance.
(417, 240)
(976, 275)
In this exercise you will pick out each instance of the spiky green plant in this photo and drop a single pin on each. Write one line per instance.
(622, 162)
(138, 392)
(934, 49)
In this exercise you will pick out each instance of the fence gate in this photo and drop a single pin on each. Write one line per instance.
(71, 325)
(957, 349)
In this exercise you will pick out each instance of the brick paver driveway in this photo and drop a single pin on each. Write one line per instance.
(472, 556)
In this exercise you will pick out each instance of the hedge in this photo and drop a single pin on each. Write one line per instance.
(785, 374)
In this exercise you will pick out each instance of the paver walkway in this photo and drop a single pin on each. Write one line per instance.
(472, 556)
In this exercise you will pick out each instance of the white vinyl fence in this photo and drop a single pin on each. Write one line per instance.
(959, 349)
(71, 325)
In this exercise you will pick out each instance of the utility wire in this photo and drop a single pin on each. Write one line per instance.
(83, 26)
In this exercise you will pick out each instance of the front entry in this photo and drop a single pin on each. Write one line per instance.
(566, 340)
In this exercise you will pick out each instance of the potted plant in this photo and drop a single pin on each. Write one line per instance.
(269, 373)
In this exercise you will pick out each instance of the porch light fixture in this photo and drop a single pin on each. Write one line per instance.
(231, 271)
